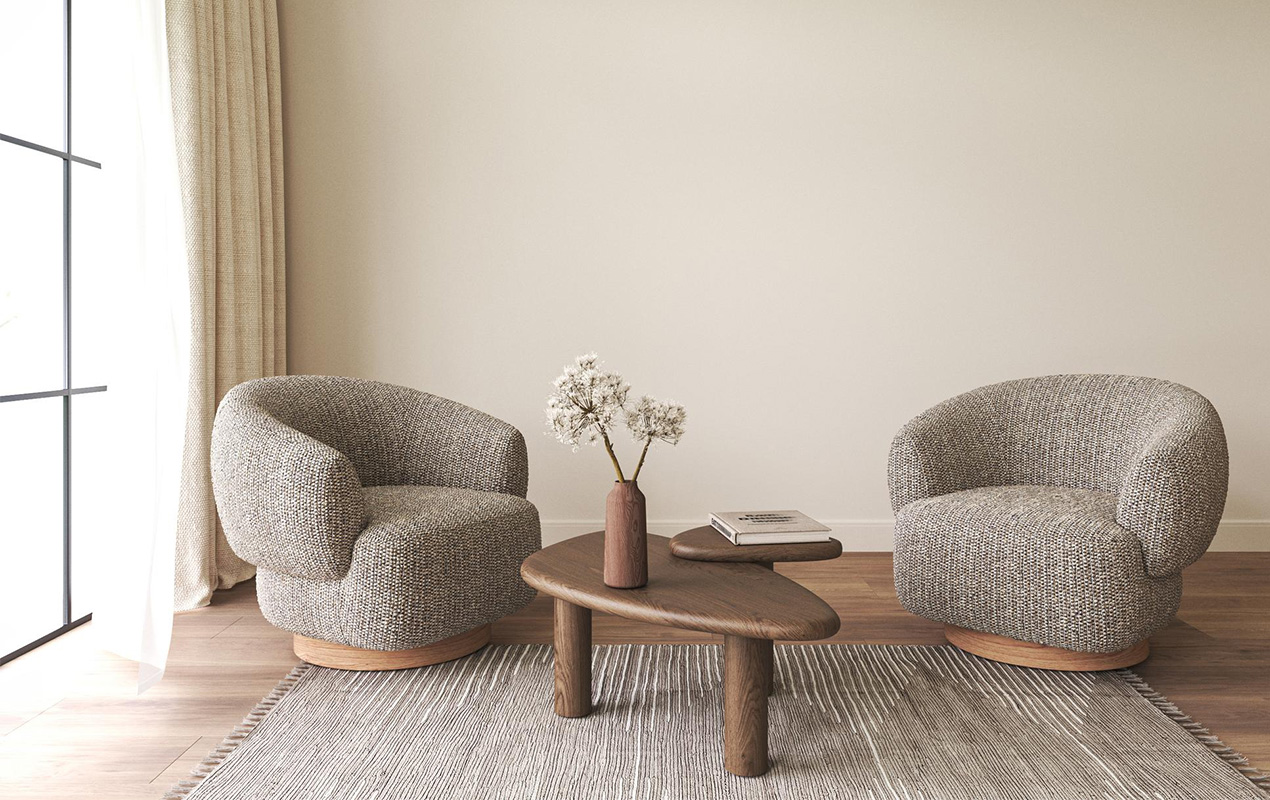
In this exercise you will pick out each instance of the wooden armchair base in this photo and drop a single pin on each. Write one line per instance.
(1030, 654)
(340, 656)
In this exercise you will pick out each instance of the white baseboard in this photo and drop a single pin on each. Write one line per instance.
(1242, 534)
(864, 536)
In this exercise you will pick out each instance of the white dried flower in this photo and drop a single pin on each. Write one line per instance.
(651, 418)
(586, 401)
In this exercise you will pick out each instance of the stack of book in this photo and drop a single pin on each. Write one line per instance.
(768, 527)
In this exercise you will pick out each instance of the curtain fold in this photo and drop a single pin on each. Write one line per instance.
(227, 114)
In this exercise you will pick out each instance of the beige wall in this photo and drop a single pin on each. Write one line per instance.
(807, 221)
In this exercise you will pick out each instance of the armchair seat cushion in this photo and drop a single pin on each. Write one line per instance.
(432, 562)
(1043, 564)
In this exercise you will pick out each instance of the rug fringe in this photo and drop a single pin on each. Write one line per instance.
(213, 760)
(1201, 734)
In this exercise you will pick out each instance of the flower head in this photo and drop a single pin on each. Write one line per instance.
(651, 418)
(586, 401)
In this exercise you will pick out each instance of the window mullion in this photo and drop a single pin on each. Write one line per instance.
(66, 322)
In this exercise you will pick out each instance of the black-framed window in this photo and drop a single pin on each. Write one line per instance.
(52, 362)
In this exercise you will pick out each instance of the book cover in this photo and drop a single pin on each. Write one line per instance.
(744, 523)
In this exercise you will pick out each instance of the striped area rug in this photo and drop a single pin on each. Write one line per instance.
(847, 721)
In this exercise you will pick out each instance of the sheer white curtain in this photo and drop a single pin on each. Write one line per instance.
(195, 174)
(150, 375)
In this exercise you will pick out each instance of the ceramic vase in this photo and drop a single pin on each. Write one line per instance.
(625, 537)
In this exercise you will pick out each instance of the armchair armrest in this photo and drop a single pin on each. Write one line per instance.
(288, 502)
(463, 448)
(1175, 490)
(944, 449)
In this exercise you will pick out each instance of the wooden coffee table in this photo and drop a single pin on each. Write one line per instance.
(707, 544)
(748, 604)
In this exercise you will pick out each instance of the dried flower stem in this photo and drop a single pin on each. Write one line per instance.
(642, 454)
(608, 446)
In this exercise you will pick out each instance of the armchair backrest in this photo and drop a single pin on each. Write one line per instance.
(394, 435)
(1078, 431)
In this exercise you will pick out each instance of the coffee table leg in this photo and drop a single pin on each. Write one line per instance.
(747, 676)
(769, 668)
(573, 659)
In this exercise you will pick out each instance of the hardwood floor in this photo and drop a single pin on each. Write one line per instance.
(72, 726)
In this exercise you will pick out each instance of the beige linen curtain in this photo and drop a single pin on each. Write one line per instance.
(223, 57)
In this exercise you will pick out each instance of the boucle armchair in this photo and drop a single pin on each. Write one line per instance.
(1046, 521)
(387, 525)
